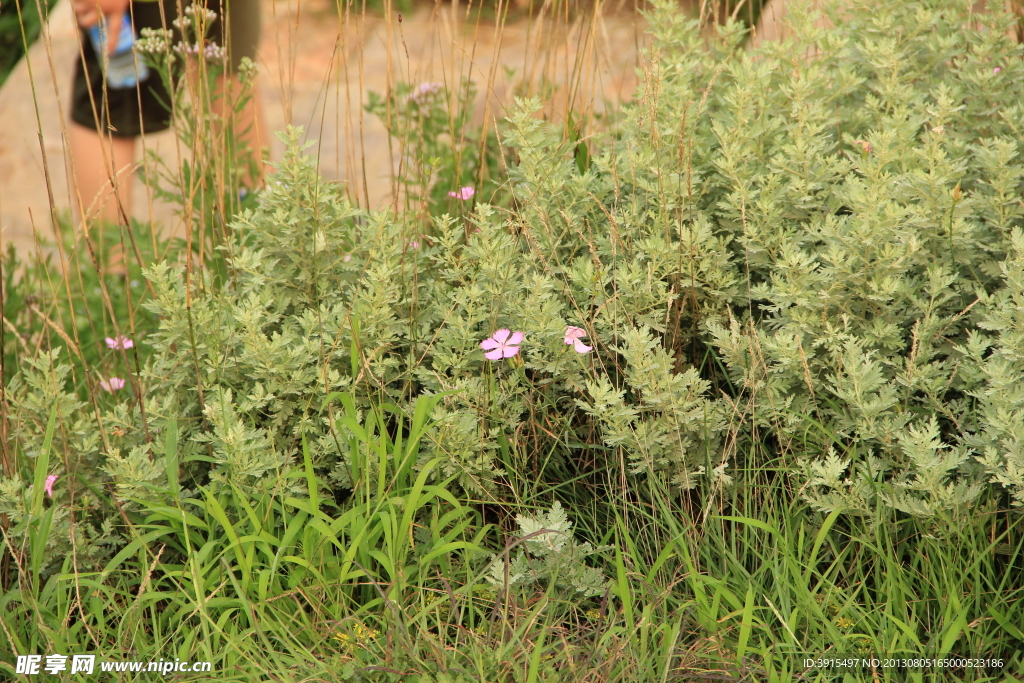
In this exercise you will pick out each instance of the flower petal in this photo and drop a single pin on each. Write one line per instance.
(580, 347)
(112, 385)
(516, 338)
(501, 335)
(574, 333)
(493, 355)
(489, 343)
(510, 351)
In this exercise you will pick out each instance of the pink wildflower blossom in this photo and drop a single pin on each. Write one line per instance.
(48, 486)
(423, 91)
(573, 336)
(864, 145)
(997, 70)
(112, 385)
(504, 344)
(119, 342)
(463, 194)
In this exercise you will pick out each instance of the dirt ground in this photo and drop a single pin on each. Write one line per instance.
(316, 68)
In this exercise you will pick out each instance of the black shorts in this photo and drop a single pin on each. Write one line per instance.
(130, 112)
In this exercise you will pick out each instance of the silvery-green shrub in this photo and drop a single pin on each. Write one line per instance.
(804, 249)
(549, 553)
(870, 191)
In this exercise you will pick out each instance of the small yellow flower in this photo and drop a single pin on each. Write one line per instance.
(592, 614)
(363, 634)
(844, 623)
(862, 646)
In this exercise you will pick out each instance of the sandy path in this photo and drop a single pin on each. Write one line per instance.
(316, 69)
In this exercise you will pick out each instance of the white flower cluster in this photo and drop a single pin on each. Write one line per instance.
(214, 52)
(247, 68)
(186, 49)
(154, 40)
(211, 51)
(207, 16)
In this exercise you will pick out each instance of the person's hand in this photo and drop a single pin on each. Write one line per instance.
(88, 13)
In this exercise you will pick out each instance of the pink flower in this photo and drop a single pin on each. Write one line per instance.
(119, 342)
(504, 344)
(112, 385)
(865, 146)
(997, 70)
(48, 486)
(423, 91)
(463, 194)
(573, 335)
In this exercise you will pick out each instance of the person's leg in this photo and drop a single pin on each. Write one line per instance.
(250, 128)
(95, 160)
